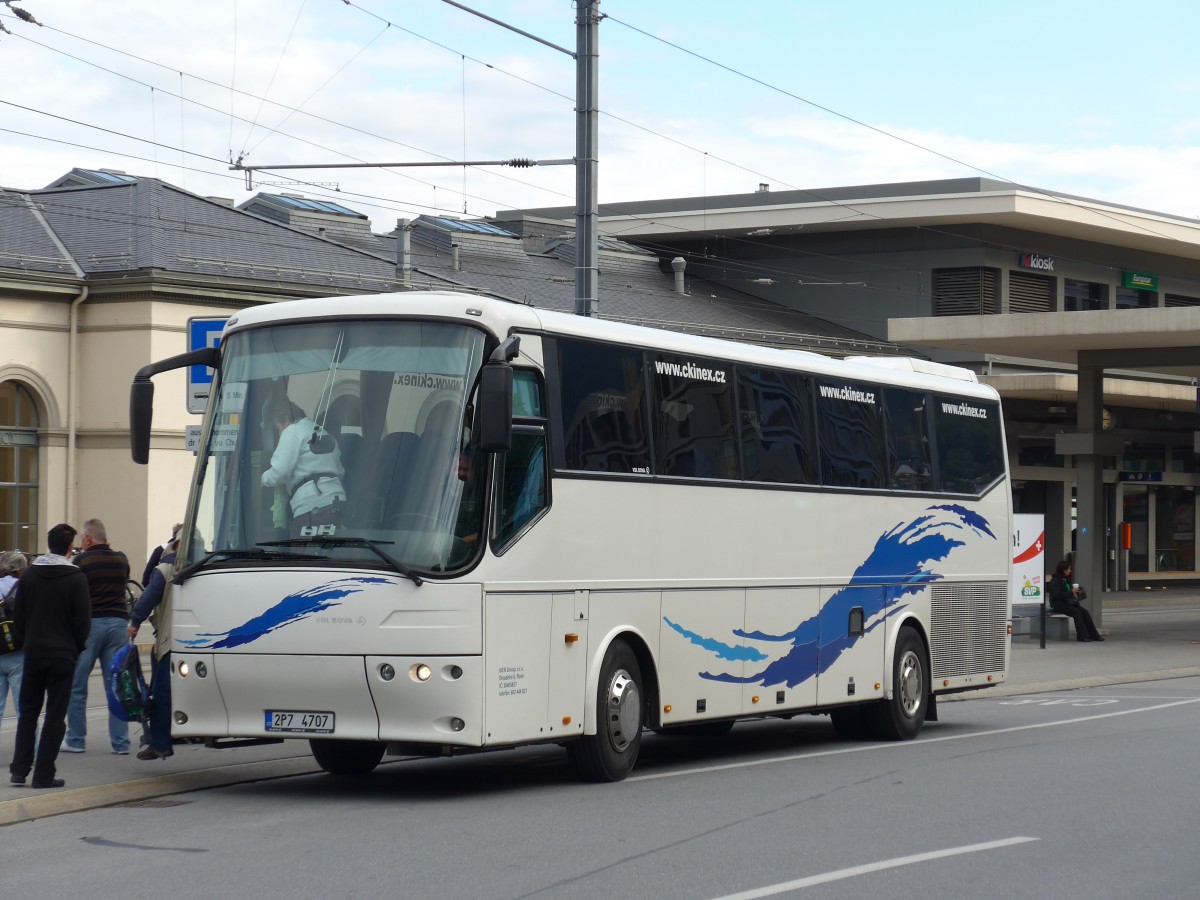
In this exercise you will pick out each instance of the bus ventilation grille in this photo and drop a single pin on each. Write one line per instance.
(969, 625)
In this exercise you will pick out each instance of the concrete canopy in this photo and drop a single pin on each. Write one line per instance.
(1156, 341)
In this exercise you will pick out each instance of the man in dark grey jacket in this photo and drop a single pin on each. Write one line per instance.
(52, 616)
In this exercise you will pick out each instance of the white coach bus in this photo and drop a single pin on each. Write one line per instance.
(505, 526)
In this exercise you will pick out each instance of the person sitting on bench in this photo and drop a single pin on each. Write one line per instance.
(1064, 598)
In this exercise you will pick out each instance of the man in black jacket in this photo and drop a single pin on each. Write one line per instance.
(52, 616)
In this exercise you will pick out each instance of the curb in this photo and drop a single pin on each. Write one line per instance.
(42, 804)
(1072, 684)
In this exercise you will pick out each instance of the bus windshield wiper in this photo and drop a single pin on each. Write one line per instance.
(257, 553)
(331, 541)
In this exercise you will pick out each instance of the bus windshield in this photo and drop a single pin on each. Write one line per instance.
(343, 440)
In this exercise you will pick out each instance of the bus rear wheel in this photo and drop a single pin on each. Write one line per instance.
(347, 757)
(901, 717)
(609, 754)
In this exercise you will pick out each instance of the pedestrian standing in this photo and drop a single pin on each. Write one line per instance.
(150, 605)
(107, 573)
(157, 553)
(52, 617)
(12, 663)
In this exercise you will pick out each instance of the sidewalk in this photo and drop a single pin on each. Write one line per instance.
(1149, 636)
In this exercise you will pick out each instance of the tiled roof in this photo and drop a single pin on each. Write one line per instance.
(25, 244)
(149, 224)
(641, 293)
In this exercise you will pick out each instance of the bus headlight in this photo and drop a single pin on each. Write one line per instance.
(421, 672)
(387, 671)
(184, 669)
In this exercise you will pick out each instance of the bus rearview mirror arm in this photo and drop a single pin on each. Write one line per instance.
(141, 396)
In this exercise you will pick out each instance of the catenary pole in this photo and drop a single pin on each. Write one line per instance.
(587, 149)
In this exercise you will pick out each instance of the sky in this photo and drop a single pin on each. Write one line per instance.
(1089, 97)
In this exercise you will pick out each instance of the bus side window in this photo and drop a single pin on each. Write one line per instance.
(522, 484)
(907, 439)
(969, 450)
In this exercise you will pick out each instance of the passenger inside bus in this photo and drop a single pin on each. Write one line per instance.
(470, 508)
(306, 469)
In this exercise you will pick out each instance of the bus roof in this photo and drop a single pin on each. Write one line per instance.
(504, 317)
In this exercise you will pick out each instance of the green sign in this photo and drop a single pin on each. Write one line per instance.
(1139, 281)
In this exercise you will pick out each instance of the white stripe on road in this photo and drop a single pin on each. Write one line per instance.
(901, 744)
(825, 878)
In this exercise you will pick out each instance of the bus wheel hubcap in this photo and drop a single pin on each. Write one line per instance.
(624, 710)
(909, 686)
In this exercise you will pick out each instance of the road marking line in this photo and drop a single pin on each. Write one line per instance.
(866, 869)
(746, 764)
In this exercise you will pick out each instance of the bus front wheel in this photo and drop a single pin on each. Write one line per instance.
(609, 754)
(901, 717)
(347, 757)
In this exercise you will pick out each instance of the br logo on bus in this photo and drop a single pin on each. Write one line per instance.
(317, 530)
(898, 565)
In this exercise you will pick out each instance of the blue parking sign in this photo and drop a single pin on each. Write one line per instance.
(202, 332)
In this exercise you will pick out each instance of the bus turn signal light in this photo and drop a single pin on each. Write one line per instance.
(571, 638)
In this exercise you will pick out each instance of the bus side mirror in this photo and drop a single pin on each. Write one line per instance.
(141, 415)
(494, 411)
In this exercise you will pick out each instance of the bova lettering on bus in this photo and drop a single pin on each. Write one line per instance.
(898, 565)
(1033, 261)
(291, 608)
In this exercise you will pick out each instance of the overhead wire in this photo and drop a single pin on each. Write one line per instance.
(279, 60)
(815, 194)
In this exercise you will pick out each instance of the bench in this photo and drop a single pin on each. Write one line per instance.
(1027, 620)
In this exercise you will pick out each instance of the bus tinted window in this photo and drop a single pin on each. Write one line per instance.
(907, 440)
(603, 396)
(850, 435)
(527, 394)
(522, 487)
(776, 427)
(969, 451)
(693, 418)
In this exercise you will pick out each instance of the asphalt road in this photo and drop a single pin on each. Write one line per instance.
(1085, 793)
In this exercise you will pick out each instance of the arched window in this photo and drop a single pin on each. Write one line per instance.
(18, 469)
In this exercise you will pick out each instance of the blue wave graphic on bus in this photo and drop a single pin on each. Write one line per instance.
(898, 565)
(291, 608)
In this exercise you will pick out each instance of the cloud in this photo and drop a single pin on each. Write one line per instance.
(441, 84)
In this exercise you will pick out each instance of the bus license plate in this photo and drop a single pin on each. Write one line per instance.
(292, 721)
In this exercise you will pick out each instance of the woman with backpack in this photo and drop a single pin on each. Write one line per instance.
(12, 657)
